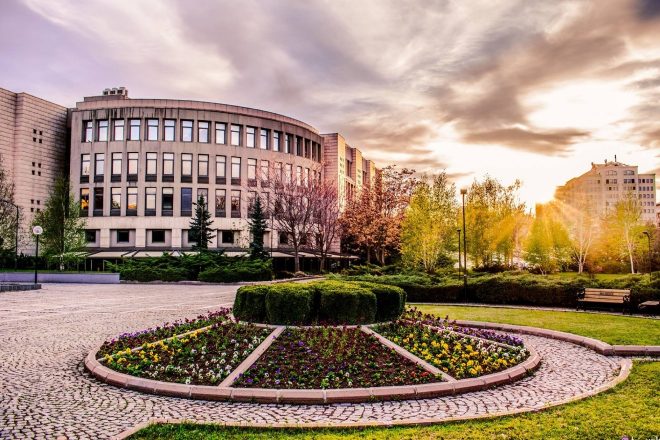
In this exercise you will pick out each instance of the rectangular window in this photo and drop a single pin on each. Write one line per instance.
(306, 176)
(169, 132)
(134, 129)
(220, 133)
(85, 165)
(133, 166)
(252, 197)
(299, 148)
(265, 172)
(235, 204)
(116, 167)
(263, 141)
(276, 141)
(168, 167)
(115, 201)
(123, 236)
(103, 131)
(252, 171)
(131, 200)
(288, 173)
(167, 202)
(152, 129)
(90, 235)
(299, 176)
(220, 169)
(118, 129)
(186, 202)
(220, 203)
(152, 167)
(278, 176)
(187, 131)
(98, 202)
(203, 166)
(150, 201)
(235, 170)
(203, 193)
(287, 143)
(203, 131)
(250, 133)
(84, 202)
(88, 131)
(158, 236)
(235, 135)
(99, 167)
(186, 167)
(227, 237)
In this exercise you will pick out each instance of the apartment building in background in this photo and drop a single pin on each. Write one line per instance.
(600, 188)
(138, 166)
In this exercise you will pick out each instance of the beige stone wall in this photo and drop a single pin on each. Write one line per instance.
(36, 153)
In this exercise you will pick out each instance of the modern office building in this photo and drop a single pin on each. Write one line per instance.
(600, 188)
(33, 152)
(139, 166)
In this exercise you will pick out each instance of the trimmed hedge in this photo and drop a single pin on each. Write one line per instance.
(289, 303)
(249, 270)
(511, 288)
(250, 303)
(327, 302)
(345, 303)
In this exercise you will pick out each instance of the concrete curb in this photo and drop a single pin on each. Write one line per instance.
(624, 372)
(599, 347)
(15, 287)
(310, 397)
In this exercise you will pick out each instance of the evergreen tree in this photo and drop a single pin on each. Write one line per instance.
(63, 239)
(200, 225)
(258, 225)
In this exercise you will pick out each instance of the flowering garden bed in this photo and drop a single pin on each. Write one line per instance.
(459, 355)
(331, 357)
(200, 358)
(136, 339)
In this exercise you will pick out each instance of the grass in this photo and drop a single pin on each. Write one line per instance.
(629, 409)
(613, 329)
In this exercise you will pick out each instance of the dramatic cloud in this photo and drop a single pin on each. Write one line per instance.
(470, 87)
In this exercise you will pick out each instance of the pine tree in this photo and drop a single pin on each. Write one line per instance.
(258, 225)
(200, 225)
(63, 239)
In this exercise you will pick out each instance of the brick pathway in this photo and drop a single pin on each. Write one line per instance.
(45, 393)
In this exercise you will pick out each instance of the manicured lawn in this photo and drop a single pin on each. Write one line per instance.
(629, 409)
(613, 329)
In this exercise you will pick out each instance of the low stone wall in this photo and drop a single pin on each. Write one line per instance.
(54, 277)
(18, 287)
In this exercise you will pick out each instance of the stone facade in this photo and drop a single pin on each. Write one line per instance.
(33, 145)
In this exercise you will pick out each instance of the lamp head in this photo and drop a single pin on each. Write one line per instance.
(463, 191)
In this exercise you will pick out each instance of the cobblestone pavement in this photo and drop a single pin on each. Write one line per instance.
(45, 391)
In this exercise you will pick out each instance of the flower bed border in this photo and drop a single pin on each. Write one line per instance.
(306, 396)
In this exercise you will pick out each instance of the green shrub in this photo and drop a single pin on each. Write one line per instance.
(239, 270)
(289, 303)
(250, 303)
(390, 300)
(344, 303)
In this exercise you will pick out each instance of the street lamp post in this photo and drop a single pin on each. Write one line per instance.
(463, 193)
(9, 202)
(460, 269)
(648, 238)
(37, 231)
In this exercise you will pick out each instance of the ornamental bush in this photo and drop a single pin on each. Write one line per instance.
(332, 302)
(250, 303)
(289, 303)
(345, 303)
(390, 300)
(241, 270)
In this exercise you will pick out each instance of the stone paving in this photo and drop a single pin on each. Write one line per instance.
(46, 393)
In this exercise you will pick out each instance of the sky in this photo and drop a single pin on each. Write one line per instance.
(534, 90)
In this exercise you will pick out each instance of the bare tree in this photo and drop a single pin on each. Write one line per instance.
(292, 202)
(324, 200)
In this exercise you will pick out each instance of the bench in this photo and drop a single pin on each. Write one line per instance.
(610, 297)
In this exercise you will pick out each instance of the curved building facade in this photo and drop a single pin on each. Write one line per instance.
(139, 165)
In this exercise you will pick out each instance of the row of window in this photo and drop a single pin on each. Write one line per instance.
(97, 198)
(158, 236)
(254, 137)
(255, 170)
(625, 173)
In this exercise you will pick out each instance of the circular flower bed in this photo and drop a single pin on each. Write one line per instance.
(399, 356)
